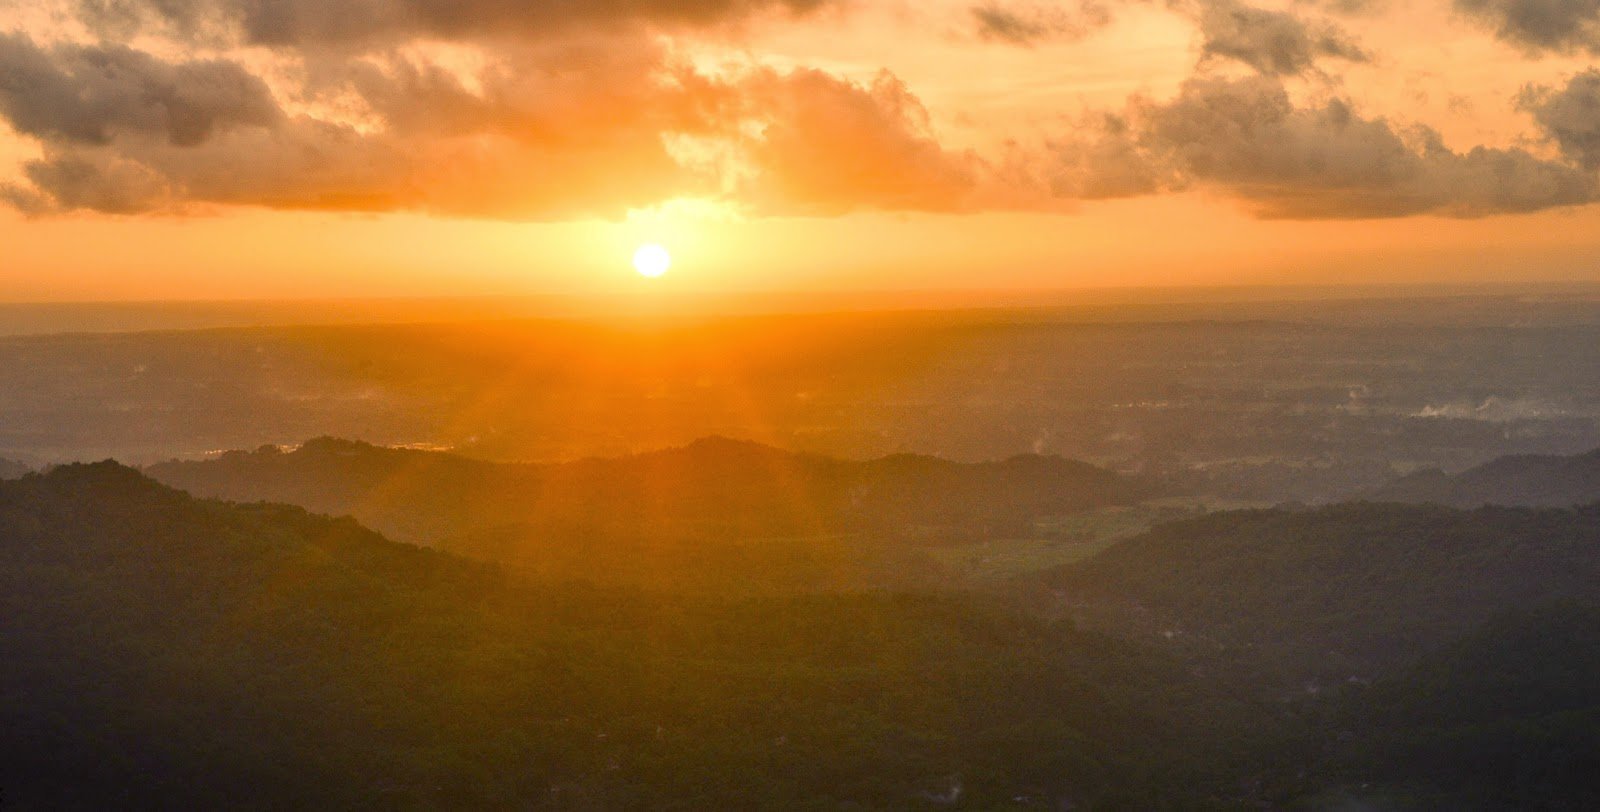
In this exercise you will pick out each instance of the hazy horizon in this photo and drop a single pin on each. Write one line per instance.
(1094, 304)
(222, 149)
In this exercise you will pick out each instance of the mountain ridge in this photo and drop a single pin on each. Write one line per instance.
(1344, 591)
(715, 493)
(1536, 480)
(165, 651)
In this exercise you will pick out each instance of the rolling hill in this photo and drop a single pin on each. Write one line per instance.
(159, 650)
(162, 651)
(618, 520)
(1529, 479)
(1506, 718)
(1347, 591)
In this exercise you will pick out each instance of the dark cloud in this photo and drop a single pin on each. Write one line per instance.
(1540, 25)
(1348, 8)
(569, 128)
(1275, 43)
(77, 182)
(318, 23)
(1245, 136)
(594, 124)
(309, 164)
(89, 94)
(1570, 116)
(1028, 24)
(541, 135)
(1103, 160)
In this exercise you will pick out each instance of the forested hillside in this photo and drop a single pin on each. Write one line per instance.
(706, 515)
(1529, 479)
(1507, 718)
(1352, 590)
(160, 650)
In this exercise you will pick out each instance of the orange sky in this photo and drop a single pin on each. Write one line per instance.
(291, 148)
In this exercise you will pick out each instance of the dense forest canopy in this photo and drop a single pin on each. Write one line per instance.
(716, 513)
(160, 649)
(1350, 590)
(164, 650)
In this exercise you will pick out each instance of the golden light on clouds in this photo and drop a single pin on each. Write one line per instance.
(803, 143)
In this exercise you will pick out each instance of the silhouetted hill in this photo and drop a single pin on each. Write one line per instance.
(1303, 401)
(11, 469)
(161, 651)
(1507, 718)
(1529, 479)
(1344, 591)
(591, 518)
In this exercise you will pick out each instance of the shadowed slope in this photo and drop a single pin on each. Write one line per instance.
(1529, 479)
(618, 519)
(1348, 590)
(160, 650)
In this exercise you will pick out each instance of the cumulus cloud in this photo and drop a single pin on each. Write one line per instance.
(1246, 138)
(1101, 159)
(1540, 25)
(89, 94)
(1570, 116)
(123, 130)
(1326, 161)
(1028, 24)
(572, 127)
(828, 146)
(594, 123)
(1275, 43)
(104, 184)
(321, 23)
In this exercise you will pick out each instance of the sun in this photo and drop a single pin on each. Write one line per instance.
(651, 260)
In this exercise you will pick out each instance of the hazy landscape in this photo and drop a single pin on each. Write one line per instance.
(1296, 556)
(809, 405)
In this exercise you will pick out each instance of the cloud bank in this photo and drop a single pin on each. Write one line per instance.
(1030, 24)
(556, 110)
(1561, 26)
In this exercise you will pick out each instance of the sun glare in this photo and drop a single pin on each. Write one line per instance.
(651, 260)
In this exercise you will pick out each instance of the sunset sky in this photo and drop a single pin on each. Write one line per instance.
(154, 149)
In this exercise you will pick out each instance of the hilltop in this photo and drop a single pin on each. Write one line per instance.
(716, 509)
(160, 650)
(1542, 480)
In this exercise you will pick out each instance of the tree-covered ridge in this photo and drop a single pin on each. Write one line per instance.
(712, 485)
(161, 650)
(1351, 590)
(1506, 718)
(705, 516)
(1539, 480)
(158, 650)
(11, 469)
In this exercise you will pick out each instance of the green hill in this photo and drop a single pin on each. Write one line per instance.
(1506, 718)
(1351, 590)
(164, 651)
(794, 521)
